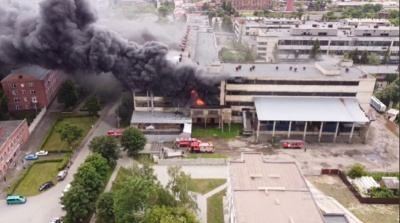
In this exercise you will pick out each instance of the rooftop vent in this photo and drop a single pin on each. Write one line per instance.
(274, 175)
(347, 70)
(277, 68)
(290, 68)
(255, 176)
(330, 26)
(304, 68)
(277, 201)
(329, 69)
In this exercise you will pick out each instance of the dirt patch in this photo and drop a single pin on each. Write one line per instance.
(368, 213)
(325, 165)
(351, 153)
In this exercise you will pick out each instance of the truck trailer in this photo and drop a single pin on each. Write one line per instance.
(378, 105)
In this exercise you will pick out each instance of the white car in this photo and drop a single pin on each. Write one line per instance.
(42, 153)
(67, 188)
(56, 220)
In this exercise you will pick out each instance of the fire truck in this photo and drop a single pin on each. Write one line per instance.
(180, 142)
(115, 132)
(195, 145)
(292, 144)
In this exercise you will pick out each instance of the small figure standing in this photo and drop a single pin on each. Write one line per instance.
(5, 179)
(305, 149)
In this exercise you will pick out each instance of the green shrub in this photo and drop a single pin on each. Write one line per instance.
(378, 176)
(63, 163)
(356, 171)
(381, 192)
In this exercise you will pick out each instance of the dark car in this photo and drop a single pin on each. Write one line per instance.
(46, 186)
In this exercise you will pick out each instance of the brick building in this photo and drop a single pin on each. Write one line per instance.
(31, 87)
(13, 135)
(251, 4)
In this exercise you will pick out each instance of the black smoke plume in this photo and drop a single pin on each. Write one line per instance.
(64, 36)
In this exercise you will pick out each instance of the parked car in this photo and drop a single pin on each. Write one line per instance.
(115, 132)
(67, 188)
(16, 199)
(42, 153)
(61, 175)
(56, 220)
(31, 157)
(46, 186)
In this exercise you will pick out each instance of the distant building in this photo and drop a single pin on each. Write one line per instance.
(13, 135)
(251, 5)
(31, 87)
(261, 190)
(289, 5)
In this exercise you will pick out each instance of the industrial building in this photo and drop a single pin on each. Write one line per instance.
(281, 100)
(276, 190)
(293, 38)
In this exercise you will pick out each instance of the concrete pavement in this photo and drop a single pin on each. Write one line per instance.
(43, 207)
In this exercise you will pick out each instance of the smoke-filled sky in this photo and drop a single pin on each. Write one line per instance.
(64, 35)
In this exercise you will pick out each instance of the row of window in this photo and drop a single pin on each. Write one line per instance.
(15, 93)
(299, 82)
(27, 107)
(285, 93)
(338, 43)
(34, 100)
(13, 85)
(14, 142)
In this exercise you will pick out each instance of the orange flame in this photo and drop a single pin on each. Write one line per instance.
(198, 100)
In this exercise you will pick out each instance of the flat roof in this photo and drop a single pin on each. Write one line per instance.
(317, 109)
(206, 49)
(383, 69)
(31, 70)
(8, 128)
(254, 180)
(144, 117)
(335, 218)
(268, 70)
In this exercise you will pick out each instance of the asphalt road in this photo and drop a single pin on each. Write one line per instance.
(45, 206)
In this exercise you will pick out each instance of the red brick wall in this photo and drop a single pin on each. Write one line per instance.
(44, 90)
(17, 137)
(392, 126)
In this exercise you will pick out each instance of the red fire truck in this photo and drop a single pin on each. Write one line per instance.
(181, 142)
(292, 144)
(115, 132)
(202, 147)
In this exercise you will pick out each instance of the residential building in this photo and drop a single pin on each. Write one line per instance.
(251, 5)
(261, 190)
(290, 39)
(13, 135)
(31, 87)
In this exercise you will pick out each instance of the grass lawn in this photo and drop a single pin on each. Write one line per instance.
(201, 132)
(215, 212)
(38, 174)
(203, 186)
(205, 156)
(54, 143)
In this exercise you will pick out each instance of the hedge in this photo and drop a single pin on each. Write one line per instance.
(16, 184)
(378, 175)
(63, 163)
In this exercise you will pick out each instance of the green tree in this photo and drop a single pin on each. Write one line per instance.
(68, 94)
(390, 93)
(315, 50)
(133, 140)
(93, 106)
(224, 5)
(163, 11)
(205, 6)
(3, 103)
(216, 25)
(356, 171)
(364, 57)
(90, 179)
(69, 133)
(99, 163)
(386, 57)
(355, 56)
(106, 146)
(381, 192)
(374, 59)
(77, 204)
(227, 24)
(162, 214)
(229, 8)
(179, 187)
(105, 208)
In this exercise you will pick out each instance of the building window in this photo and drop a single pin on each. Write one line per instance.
(16, 100)
(25, 100)
(262, 48)
(18, 107)
(23, 92)
(12, 85)
(20, 76)
(15, 92)
(33, 92)
(31, 85)
(34, 100)
(22, 85)
(26, 106)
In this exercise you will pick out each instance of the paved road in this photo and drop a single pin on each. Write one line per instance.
(42, 208)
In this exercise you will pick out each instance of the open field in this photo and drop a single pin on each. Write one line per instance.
(54, 143)
(38, 174)
(368, 213)
(215, 212)
(203, 186)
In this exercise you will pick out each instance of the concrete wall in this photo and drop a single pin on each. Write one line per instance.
(39, 117)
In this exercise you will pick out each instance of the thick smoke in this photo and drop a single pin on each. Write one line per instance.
(64, 35)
